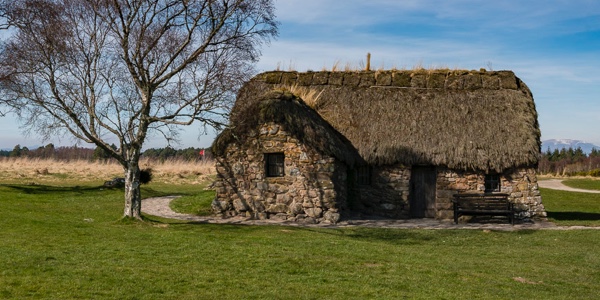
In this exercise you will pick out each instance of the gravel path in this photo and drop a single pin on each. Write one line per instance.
(159, 206)
(556, 184)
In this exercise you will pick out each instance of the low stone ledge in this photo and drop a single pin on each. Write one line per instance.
(420, 79)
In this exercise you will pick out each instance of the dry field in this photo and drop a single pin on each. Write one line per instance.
(48, 170)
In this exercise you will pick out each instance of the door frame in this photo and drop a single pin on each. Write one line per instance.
(422, 192)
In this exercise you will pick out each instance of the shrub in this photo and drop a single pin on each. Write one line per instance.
(595, 173)
(145, 176)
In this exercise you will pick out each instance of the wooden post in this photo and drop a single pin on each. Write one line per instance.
(368, 67)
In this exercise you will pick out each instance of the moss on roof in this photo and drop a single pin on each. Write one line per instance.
(296, 117)
(472, 120)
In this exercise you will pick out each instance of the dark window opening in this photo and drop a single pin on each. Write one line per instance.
(274, 164)
(492, 183)
(363, 175)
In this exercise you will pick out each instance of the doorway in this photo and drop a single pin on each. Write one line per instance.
(422, 192)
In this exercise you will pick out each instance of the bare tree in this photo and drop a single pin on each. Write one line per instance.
(114, 71)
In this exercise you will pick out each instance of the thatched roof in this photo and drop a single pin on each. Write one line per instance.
(298, 119)
(472, 120)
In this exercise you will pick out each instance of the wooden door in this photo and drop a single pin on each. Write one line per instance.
(422, 192)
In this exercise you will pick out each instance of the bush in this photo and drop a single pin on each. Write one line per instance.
(145, 176)
(595, 173)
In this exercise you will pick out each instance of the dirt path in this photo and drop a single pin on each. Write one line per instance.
(556, 184)
(159, 206)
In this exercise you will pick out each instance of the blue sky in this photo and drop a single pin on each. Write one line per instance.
(553, 46)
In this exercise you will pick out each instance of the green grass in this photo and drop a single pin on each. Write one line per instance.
(68, 243)
(587, 184)
(572, 208)
(198, 204)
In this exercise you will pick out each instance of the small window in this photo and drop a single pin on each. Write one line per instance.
(492, 183)
(274, 164)
(363, 175)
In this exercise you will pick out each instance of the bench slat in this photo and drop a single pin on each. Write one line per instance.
(483, 204)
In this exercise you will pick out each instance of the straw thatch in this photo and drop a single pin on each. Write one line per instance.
(298, 119)
(470, 120)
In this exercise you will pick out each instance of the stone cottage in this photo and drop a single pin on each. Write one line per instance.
(320, 146)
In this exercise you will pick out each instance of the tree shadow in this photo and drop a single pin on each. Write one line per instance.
(147, 192)
(45, 189)
(573, 216)
(392, 236)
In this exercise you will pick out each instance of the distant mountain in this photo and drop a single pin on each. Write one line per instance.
(567, 143)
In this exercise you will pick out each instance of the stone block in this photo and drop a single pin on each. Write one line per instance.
(307, 203)
(313, 194)
(262, 216)
(436, 80)
(331, 217)
(305, 78)
(336, 78)
(320, 78)
(490, 82)
(313, 212)
(523, 186)
(296, 208)
(308, 220)
(383, 78)
(388, 206)
(351, 78)
(445, 214)
(273, 77)
(279, 216)
(258, 205)
(508, 80)
(418, 80)
(459, 186)
(367, 79)
(289, 78)
(401, 79)
(240, 205)
(472, 81)
(455, 82)
(277, 208)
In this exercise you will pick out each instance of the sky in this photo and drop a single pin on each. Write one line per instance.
(553, 46)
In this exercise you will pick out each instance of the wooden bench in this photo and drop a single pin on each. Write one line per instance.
(473, 204)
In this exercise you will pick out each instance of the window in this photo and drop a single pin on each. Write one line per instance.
(492, 183)
(363, 175)
(274, 164)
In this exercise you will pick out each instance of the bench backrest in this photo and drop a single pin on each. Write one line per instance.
(482, 201)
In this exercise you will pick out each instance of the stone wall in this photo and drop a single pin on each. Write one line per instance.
(520, 184)
(313, 189)
(386, 196)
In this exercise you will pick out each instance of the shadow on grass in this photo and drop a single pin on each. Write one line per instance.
(573, 216)
(44, 189)
(388, 235)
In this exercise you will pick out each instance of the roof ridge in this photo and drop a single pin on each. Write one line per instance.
(419, 79)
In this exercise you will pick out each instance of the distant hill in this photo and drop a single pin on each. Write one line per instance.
(566, 144)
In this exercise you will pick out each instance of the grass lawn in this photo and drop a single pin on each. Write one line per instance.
(65, 242)
(572, 208)
(588, 184)
(198, 203)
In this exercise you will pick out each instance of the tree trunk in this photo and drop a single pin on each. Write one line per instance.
(133, 197)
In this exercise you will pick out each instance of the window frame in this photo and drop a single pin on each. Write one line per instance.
(275, 164)
(363, 175)
(492, 183)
